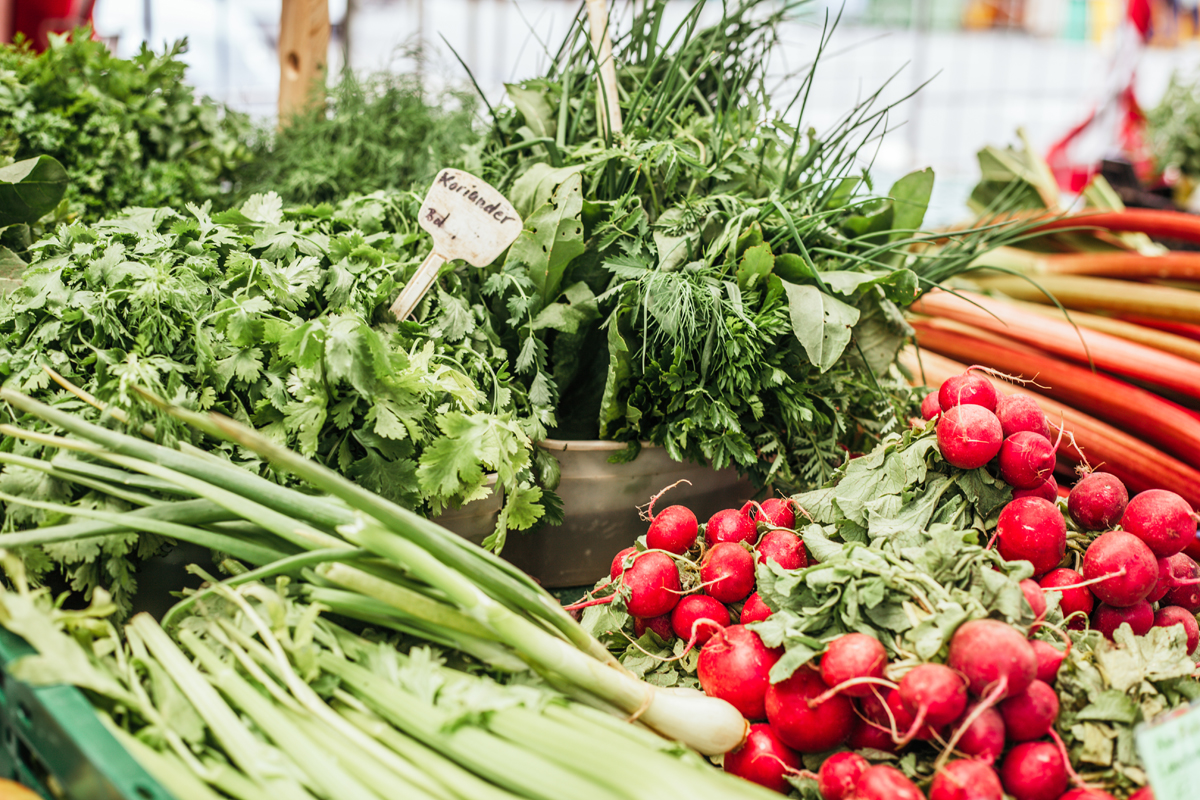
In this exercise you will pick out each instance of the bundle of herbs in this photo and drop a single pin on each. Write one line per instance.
(381, 131)
(277, 319)
(129, 132)
(716, 279)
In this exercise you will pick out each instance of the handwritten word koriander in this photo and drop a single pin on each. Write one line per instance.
(495, 208)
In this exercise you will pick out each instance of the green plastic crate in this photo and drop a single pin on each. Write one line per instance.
(52, 741)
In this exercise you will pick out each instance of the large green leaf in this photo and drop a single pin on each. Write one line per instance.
(821, 323)
(532, 104)
(30, 189)
(552, 237)
(910, 200)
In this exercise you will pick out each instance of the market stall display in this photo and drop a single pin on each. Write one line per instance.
(960, 569)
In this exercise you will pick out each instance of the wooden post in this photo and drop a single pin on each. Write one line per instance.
(608, 106)
(303, 44)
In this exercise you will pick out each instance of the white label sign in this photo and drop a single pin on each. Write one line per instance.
(468, 219)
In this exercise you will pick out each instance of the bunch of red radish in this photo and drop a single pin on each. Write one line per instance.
(1135, 562)
(721, 564)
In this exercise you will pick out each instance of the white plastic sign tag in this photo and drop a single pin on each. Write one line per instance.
(467, 219)
(1170, 751)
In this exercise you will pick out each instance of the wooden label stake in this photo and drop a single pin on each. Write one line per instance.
(467, 219)
(609, 103)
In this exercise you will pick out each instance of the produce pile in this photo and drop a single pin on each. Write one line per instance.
(715, 281)
(1092, 315)
(937, 617)
(257, 694)
(274, 317)
(129, 132)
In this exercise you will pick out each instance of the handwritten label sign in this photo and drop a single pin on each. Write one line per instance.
(467, 219)
(1170, 751)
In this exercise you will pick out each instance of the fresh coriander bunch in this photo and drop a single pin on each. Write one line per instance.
(381, 131)
(129, 132)
(277, 318)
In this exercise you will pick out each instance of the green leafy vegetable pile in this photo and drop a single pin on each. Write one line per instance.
(382, 131)
(714, 279)
(129, 132)
(277, 319)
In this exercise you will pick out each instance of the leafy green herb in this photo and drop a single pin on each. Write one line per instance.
(383, 131)
(276, 318)
(128, 132)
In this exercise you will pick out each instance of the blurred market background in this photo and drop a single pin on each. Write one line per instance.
(984, 67)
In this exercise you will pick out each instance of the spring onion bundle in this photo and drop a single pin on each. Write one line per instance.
(356, 552)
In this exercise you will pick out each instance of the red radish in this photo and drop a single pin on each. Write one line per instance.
(1107, 619)
(1097, 501)
(1088, 794)
(784, 548)
(850, 656)
(728, 572)
(1073, 601)
(1026, 460)
(1130, 567)
(1161, 519)
(1047, 490)
(763, 759)
(776, 511)
(734, 666)
(905, 720)
(660, 625)
(872, 736)
(1035, 597)
(700, 616)
(968, 389)
(1164, 582)
(1034, 771)
(1174, 615)
(930, 407)
(619, 562)
(883, 782)
(969, 436)
(1144, 793)
(1020, 412)
(933, 693)
(808, 730)
(1184, 589)
(986, 652)
(755, 610)
(1032, 529)
(1049, 659)
(653, 581)
(1029, 715)
(984, 738)
(673, 529)
(966, 779)
(730, 525)
(839, 773)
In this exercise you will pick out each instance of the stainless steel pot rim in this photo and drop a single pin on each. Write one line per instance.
(586, 445)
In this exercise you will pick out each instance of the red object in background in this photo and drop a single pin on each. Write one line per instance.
(1116, 126)
(37, 19)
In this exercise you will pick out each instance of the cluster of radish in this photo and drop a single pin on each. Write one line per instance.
(991, 704)
(1138, 559)
(718, 566)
